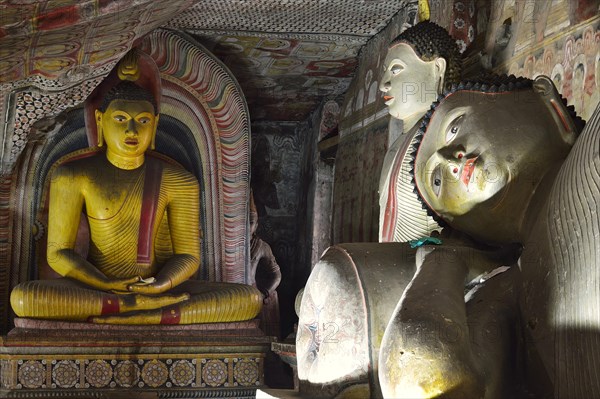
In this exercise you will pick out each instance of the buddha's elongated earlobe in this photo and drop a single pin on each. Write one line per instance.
(440, 69)
(98, 115)
(153, 142)
(564, 121)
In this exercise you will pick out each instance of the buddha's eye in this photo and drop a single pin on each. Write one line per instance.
(436, 180)
(453, 128)
(396, 69)
(120, 118)
(144, 120)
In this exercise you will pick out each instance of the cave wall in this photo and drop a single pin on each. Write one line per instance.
(560, 39)
(277, 150)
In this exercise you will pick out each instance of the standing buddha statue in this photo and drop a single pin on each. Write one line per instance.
(420, 64)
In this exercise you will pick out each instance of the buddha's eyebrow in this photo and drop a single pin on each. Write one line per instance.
(446, 120)
(394, 61)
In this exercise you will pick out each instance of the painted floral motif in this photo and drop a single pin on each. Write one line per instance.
(155, 373)
(65, 374)
(98, 373)
(136, 373)
(459, 23)
(31, 374)
(182, 373)
(463, 23)
(31, 106)
(246, 372)
(214, 373)
(127, 374)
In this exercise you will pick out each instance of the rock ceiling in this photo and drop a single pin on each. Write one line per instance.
(287, 54)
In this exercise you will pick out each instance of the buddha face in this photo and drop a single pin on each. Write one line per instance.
(410, 84)
(483, 155)
(128, 127)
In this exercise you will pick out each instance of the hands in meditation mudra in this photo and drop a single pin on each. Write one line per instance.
(143, 215)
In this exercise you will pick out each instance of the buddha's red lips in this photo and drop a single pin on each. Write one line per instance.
(131, 141)
(387, 98)
(467, 171)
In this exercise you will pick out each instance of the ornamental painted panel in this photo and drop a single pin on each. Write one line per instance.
(133, 373)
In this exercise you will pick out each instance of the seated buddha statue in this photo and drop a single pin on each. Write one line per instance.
(488, 159)
(143, 216)
(420, 64)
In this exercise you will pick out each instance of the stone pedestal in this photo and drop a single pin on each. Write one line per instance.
(54, 359)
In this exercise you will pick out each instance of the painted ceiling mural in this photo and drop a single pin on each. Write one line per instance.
(55, 45)
(57, 39)
(54, 53)
(285, 79)
(286, 75)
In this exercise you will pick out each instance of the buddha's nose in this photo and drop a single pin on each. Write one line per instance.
(385, 86)
(131, 128)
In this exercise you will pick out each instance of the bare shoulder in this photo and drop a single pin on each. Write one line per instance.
(77, 171)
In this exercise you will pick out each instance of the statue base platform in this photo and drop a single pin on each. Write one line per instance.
(41, 358)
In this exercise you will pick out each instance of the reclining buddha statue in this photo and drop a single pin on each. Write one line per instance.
(143, 216)
(487, 161)
(512, 175)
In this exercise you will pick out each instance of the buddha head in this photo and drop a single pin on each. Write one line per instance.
(420, 63)
(484, 150)
(127, 120)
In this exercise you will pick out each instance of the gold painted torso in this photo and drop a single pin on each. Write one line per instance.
(113, 205)
(114, 220)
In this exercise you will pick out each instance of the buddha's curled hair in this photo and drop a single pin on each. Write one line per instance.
(430, 41)
(127, 90)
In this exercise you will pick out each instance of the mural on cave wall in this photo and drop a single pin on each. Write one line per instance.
(286, 54)
(275, 187)
(59, 51)
(284, 78)
(48, 38)
(573, 63)
(277, 194)
(560, 39)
